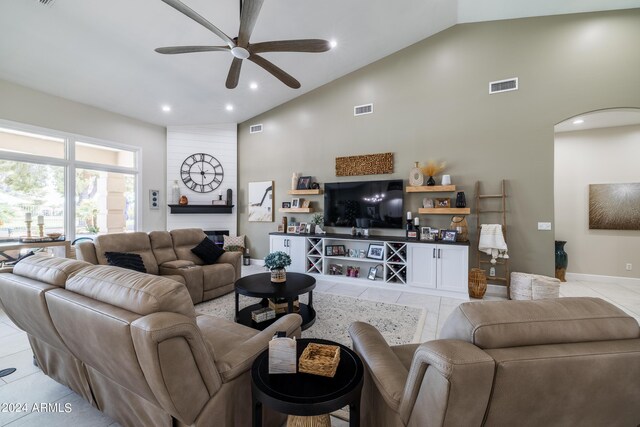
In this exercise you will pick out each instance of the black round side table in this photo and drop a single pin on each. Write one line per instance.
(260, 286)
(305, 394)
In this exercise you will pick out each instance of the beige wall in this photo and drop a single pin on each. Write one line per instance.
(23, 105)
(598, 156)
(431, 102)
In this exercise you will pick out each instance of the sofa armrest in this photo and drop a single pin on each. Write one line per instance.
(240, 359)
(86, 251)
(449, 380)
(386, 370)
(193, 277)
(179, 263)
(233, 258)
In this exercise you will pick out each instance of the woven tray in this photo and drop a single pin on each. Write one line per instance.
(320, 359)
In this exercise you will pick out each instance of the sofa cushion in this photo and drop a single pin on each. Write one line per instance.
(500, 324)
(207, 251)
(137, 292)
(233, 243)
(50, 270)
(137, 243)
(126, 260)
(162, 246)
(184, 240)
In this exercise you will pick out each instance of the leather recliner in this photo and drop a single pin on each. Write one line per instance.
(169, 254)
(133, 344)
(561, 362)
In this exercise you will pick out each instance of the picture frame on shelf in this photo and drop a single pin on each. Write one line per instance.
(375, 251)
(412, 234)
(309, 229)
(286, 205)
(335, 269)
(449, 235)
(281, 228)
(442, 203)
(304, 183)
(306, 203)
(295, 203)
(426, 234)
(362, 254)
(291, 229)
(353, 253)
(339, 250)
(328, 250)
(373, 271)
(302, 228)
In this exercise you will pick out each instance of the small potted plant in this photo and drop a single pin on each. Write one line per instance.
(276, 262)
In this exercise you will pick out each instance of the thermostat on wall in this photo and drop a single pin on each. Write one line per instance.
(154, 199)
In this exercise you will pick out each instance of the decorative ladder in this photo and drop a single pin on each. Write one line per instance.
(482, 258)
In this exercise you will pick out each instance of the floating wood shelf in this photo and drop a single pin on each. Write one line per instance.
(296, 210)
(310, 192)
(445, 211)
(201, 209)
(430, 189)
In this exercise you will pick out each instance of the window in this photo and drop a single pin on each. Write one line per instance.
(81, 186)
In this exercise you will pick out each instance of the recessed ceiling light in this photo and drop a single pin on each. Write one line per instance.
(578, 121)
(253, 85)
(229, 107)
(166, 108)
(333, 43)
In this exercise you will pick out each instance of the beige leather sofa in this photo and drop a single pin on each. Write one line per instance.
(169, 254)
(561, 362)
(132, 345)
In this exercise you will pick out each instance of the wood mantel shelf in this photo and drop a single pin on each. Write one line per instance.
(296, 210)
(201, 209)
(430, 189)
(444, 211)
(309, 192)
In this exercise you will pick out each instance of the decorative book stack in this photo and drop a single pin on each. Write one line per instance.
(263, 314)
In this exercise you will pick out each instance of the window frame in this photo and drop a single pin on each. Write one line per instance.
(70, 165)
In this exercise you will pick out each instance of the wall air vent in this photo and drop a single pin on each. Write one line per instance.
(503, 85)
(46, 2)
(360, 110)
(255, 128)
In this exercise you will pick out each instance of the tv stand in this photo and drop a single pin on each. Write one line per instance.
(430, 267)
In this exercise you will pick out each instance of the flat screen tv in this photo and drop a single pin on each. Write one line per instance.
(365, 204)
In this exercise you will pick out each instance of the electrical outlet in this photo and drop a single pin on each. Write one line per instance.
(629, 266)
(544, 226)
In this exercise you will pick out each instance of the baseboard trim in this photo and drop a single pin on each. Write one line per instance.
(602, 279)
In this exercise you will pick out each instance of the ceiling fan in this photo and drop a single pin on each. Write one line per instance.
(240, 47)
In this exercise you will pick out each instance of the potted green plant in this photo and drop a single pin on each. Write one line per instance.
(276, 262)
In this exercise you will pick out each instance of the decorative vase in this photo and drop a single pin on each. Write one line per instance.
(562, 260)
(416, 177)
(294, 180)
(175, 192)
(446, 179)
(183, 201)
(461, 200)
(431, 182)
(278, 275)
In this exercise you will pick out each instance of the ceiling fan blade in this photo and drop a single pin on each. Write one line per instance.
(248, 18)
(234, 73)
(277, 72)
(306, 45)
(190, 49)
(186, 10)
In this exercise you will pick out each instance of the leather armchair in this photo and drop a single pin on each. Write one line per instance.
(571, 361)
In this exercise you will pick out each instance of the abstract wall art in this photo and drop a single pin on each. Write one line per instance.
(614, 206)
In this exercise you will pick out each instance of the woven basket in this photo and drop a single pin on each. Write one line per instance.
(477, 283)
(459, 223)
(320, 359)
(278, 275)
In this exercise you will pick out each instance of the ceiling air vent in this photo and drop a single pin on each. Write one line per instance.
(503, 85)
(360, 110)
(46, 2)
(255, 128)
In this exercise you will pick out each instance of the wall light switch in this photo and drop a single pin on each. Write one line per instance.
(154, 199)
(544, 226)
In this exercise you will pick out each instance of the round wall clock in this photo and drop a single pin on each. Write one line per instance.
(201, 172)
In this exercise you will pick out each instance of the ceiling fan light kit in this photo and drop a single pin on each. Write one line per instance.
(240, 48)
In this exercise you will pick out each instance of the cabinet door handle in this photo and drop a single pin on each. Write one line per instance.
(434, 253)
(288, 243)
(439, 253)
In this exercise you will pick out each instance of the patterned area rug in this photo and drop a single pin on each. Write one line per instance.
(399, 324)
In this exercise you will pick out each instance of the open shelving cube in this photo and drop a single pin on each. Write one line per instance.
(395, 262)
(314, 255)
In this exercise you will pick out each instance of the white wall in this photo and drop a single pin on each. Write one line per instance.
(597, 156)
(28, 106)
(220, 141)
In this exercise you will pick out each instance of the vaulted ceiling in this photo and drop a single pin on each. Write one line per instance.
(102, 53)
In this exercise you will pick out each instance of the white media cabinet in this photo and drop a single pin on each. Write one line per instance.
(432, 267)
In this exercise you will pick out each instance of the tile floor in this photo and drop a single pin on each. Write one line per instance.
(28, 385)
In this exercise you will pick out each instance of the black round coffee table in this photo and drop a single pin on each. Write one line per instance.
(260, 286)
(305, 394)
